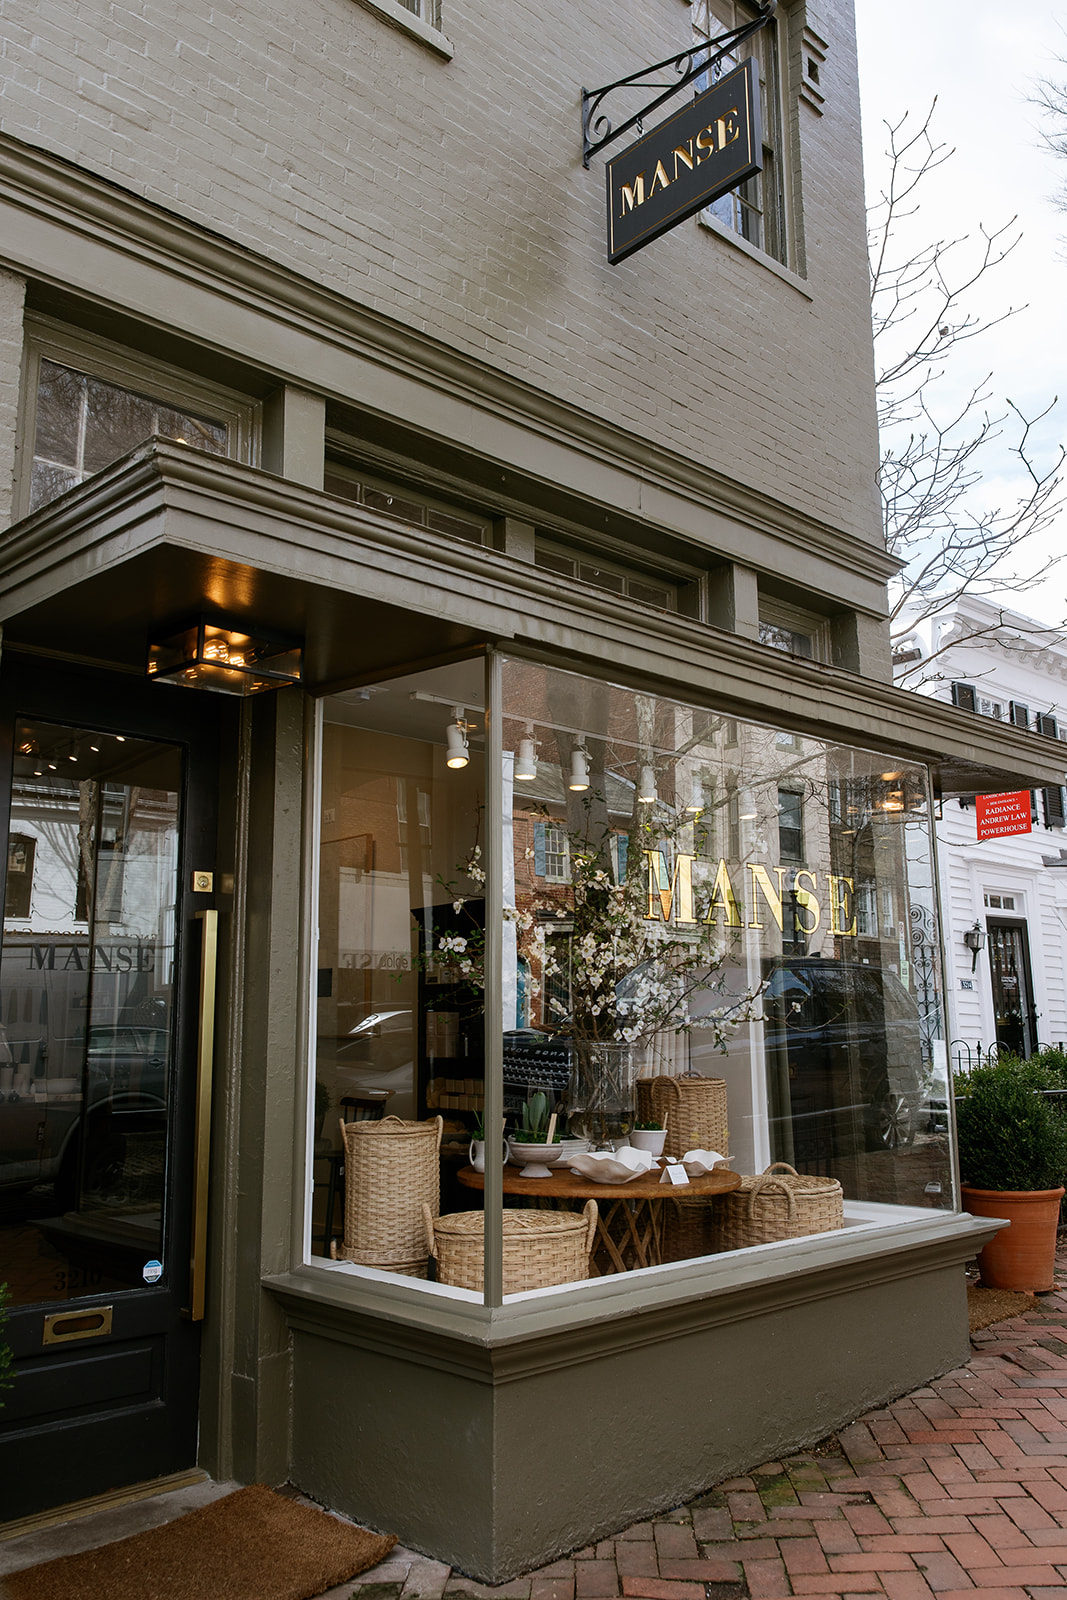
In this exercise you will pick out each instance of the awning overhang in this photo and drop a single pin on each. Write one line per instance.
(168, 532)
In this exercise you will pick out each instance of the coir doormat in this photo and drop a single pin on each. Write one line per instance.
(251, 1545)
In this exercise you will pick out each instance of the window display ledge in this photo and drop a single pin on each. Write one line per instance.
(554, 1328)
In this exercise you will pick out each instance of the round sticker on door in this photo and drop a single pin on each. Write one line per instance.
(153, 1271)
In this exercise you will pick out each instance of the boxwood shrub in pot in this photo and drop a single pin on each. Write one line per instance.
(1013, 1159)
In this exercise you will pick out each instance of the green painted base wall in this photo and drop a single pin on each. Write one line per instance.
(499, 1460)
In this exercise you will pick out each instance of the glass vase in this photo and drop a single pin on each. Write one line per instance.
(601, 1093)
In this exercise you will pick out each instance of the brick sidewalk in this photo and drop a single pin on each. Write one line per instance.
(959, 1489)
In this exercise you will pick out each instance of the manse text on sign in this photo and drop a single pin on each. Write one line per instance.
(1001, 814)
(700, 153)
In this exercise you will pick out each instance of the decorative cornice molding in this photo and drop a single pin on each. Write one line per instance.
(44, 185)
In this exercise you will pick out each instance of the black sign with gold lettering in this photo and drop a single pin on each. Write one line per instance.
(700, 153)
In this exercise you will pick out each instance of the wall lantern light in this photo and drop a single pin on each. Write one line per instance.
(578, 781)
(224, 658)
(975, 940)
(457, 750)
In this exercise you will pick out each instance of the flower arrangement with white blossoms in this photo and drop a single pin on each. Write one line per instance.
(629, 976)
(632, 976)
(461, 954)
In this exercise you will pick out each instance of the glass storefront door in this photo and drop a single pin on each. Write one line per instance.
(98, 938)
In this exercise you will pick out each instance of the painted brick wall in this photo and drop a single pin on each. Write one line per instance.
(451, 196)
(12, 295)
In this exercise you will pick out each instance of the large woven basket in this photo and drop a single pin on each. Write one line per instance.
(541, 1248)
(780, 1203)
(693, 1109)
(406, 1269)
(391, 1171)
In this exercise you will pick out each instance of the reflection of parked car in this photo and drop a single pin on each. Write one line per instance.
(376, 1050)
(126, 1093)
(844, 1056)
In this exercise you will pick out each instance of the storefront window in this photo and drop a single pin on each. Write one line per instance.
(735, 906)
(722, 927)
(400, 980)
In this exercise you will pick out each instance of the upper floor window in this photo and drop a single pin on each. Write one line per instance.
(756, 209)
(84, 424)
(88, 404)
(377, 494)
(793, 630)
(428, 11)
(635, 585)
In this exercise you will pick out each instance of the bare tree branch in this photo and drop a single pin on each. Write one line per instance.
(936, 459)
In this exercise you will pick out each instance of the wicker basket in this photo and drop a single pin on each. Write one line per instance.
(688, 1229)
(406, 1269)
(541, 1248)
(693, 1109)
(779, 1204)
(391, 1171)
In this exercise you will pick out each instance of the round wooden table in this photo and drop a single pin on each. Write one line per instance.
(629, 1229)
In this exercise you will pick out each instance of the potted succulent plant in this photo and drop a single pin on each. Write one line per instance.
(531, 1145)
(648, 1136)
(1013, 1159)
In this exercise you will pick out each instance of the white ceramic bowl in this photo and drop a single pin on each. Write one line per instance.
(698, 1163)
(606, 1166)
(571, 1147)
(536, 1160)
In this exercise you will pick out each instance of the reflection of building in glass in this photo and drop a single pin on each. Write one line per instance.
(1006, 668)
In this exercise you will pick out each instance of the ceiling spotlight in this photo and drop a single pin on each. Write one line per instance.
(646, 788)
(458, 751)
(578, 781)
(526, 758)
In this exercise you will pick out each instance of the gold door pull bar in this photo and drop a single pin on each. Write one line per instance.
(205, 1050)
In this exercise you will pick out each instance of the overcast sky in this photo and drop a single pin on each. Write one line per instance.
(980, 59)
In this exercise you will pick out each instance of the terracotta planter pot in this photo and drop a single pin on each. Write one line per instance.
(1022, 1256)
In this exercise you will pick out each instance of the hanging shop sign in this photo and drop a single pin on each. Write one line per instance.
(702, 152)
(1002, 814)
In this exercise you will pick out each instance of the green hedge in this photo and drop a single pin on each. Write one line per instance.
(1010, 1135)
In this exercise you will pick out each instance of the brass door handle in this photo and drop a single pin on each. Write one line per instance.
(205, 1050)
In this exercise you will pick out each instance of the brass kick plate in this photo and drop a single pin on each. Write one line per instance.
(203, 882)
(63, 1325)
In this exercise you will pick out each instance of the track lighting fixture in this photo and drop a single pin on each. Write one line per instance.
(526, 757)
(457, 752)
(578, 781)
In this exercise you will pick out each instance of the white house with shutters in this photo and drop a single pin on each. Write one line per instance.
(1004, 900)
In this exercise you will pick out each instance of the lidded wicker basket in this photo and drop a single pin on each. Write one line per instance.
(391, 1172)
(541, 1248)
(780, 1203)
(693, 1109)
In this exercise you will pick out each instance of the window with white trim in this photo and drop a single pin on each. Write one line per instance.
(756, 209)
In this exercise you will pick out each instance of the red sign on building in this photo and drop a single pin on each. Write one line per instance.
(1001, 814)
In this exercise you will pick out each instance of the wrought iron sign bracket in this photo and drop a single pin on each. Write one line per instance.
(597, 130)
